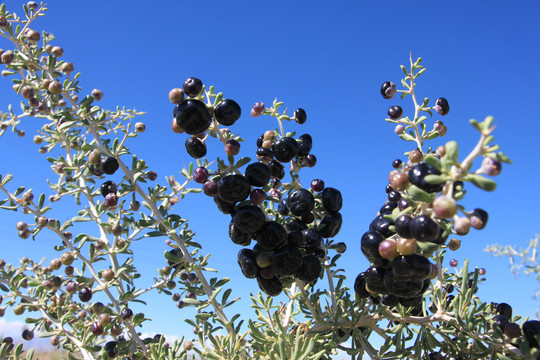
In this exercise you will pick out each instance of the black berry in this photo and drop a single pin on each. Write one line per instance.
(388, 90)
(310, 241)
(111, 349)
(265, 153)
(271, 235)
(193, 117)
(370, 247)
(109, 165)
(395, 112)
(441, 106)
(479, 219)
(192, 86)
(277, 169)
(247, 263)
(331, 199)
(374, 279)
(271, 287)
(394, 196)
(238, 236)
(126, 313)
(108, 187)
(258, 174)
(402, 226)
(310, 270)
(387, 208)
(382, 224)
(396, 164)
(195, 147)
(224, 206)
(249, 218)
(417, 176)
(200, 175)
(286, 261)
(85, 294)
(332, 225)
(227, 112)
(531, 329)
(360, 287)
(504, 309)
(424, 228)
(285, 149)
(300, 116)
(411, 267)
(301, 202)
(233, 188)
(317, 185)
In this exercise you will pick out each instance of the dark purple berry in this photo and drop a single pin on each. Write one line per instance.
(400, 287)
(247, 263)
(500, 321)
(417, 176)
(308, 218)
(311, 160)
(200, 175)
(195, 147)
(108, 187)
(271, 235)
(238, 236)
(286, 261)
(285, 149)
(109, 165)
(387, 208)
(388, 90)
(111, 349)
(382, 224)
(442, 106)
(402, 226)
(295, 224)
(260, 140)
(271, 287)
(303, 150)
(411, 267)
(389, 189)
(394, 196)
(332, 225)
(531, 329)
(193, 117)
(310, 241)
(360, 287)
(96, 329)
(257, 196)
(232, 147)
(310, 270)
(277, 169)
(395, 112)
(331, 199)
(283, 207)
(233, 188)
(409, 302)
(370, 247)
(301, 202)
(126, 313)
(111, 200)
(504, 309)
(227, 112)
(374, 279)
(249, 218)
(317, 185)
(396, 164)
(390, 300)
(265, 153)
(192, 86)
(258, 174)
(402, 204)
(27, 334)
(423, 228)
(210, 188)
(85, 294)
(479, 219)
(300, 116)
(257, 109)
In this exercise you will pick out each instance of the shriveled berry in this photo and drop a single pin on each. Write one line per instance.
(286, 261)
(94, 157)
(417, 176)
(257, 109)
(512, 330)
(109, 165)
(310, 269)
(317, 185)
(285, 149)
(479, 219)
(388, 90)
(174, 126)
(258, 174)
(308, 218)
(192, 86)
(195, 147)
(85, 294)
(442, 106)
(332, 225)
(360, 286)
(227, 112)
(193, 117)
(370, 243)
(331, 199)
(271, 235)
(395, 112)
(423, 228)
(233, 188)
(249, 218)
(301, 202)
(108, 187)
(402, 204)
(200, 175)
(310, 240)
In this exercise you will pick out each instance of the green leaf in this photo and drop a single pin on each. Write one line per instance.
(243, 161)
(419, 194)
(476, 124)
(481, 182)
(435, 179)
(452, 152)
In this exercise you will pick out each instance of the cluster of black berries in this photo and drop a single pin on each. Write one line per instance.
(99, 165)
(403, 236)
(193, 117)
(289, 239)
(502, 320)
(288, 247)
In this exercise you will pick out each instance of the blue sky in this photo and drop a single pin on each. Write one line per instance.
(330, 59)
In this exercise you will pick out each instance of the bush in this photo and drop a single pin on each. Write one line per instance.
(406, 302)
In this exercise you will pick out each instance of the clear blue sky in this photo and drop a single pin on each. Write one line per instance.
(329, 58)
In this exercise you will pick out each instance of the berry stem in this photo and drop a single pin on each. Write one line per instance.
(414, 123)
